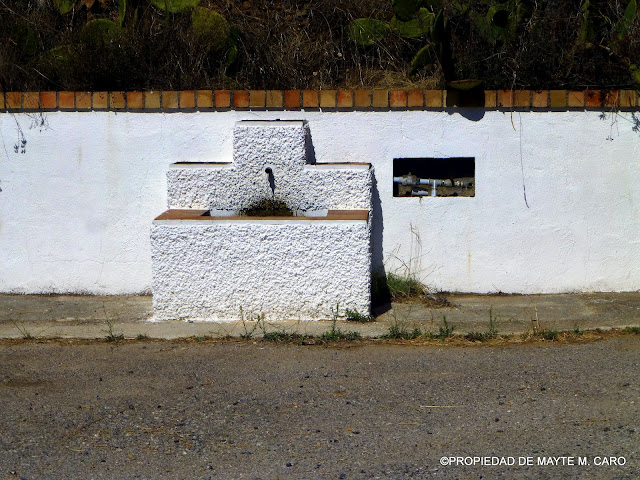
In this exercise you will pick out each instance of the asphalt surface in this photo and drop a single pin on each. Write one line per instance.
(352, 410)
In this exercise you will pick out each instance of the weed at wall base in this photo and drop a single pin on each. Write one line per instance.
(335, 333)
(404, 288)
(111, 336)
(355, 316)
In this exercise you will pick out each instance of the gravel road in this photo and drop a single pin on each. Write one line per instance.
(231, 410)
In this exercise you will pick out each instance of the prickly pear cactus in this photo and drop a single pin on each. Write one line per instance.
(419, 26)
(406, 9)
(25, 38)
(58, 61)
(623, 26)
(122, 11)
(367, 31)
(175, 6)
(425, 56)
(502, 19)
(635, 74)
(64, 6)
(210, 27)
(98, 33)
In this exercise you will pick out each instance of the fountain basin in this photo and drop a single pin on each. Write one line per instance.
(210, 267)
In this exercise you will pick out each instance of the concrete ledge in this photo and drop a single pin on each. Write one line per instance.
(88, 317)
(200, 216)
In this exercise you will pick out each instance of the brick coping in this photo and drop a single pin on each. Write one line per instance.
(336, 100)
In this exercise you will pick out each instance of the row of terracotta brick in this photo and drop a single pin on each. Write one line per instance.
(305, 99)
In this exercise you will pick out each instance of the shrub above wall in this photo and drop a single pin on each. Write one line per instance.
(318, 44)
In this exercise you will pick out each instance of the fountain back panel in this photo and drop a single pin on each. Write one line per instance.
(268, 232)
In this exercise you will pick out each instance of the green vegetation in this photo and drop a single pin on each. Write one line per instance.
(445, 331)
(202, 338)
(24, 332)
(367, 31)
(404, 287)
(335, 333)
(490, 334)
(356, 316)
(210, 28)
(174, 6)
(548, 334)
(285, 337)
(248, 331)
(112, 336)
(280, 44)
(402, 332)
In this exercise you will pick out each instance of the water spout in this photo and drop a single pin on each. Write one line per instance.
(272, 180)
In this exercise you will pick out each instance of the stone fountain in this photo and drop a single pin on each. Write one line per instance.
(271, 233)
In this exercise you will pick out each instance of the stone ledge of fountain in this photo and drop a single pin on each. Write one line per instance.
(199, 216)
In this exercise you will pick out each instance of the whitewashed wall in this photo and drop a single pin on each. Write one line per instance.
(76, 207)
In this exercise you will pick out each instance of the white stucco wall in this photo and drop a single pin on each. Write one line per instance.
(76, 207)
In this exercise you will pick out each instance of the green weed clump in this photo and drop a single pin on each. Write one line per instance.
(402, 332)
(394, 287)
(480, 336)
(286, 337)
(24, 332)
(335, 333)
(548, 334)
(444, 332)
(355, 316)
(404, 287)
(490, 334)
(202, 338)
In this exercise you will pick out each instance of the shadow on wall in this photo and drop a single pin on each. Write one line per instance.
(380, 296)
(472, 114)
(311, 152)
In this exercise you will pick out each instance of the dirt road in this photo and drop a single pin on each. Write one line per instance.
(229, 410)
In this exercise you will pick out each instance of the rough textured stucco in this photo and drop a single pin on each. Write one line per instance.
(282, 147)
(295, 270)
(75, 208)
(312, 188)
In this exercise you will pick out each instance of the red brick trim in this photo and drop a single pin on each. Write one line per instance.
(332, 100)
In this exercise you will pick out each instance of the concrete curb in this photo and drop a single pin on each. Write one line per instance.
(90, 317)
